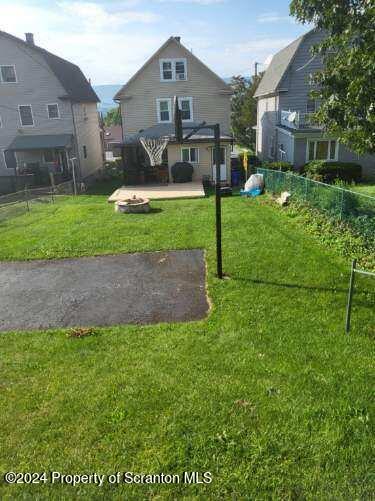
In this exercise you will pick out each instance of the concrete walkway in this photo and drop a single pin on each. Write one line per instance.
(159, 192)
(142, 288)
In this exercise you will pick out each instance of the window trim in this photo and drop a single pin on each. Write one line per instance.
(174, 74)
(315, 105)
(32, 114)
(329, 141)
(158, 111)
(5, 160)
(190, 148)
(190, 99)
(58, 111)
(15, 73)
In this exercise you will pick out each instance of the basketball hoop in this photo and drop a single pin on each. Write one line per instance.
(155, 149)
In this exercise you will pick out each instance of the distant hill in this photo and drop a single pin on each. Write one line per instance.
(105, 94)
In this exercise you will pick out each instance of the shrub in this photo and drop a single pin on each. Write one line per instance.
(283, 166)
(182, 172)
(327, 172)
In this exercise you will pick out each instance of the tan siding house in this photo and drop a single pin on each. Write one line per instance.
(147, 104)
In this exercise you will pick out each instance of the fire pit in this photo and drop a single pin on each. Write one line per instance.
(133, 205)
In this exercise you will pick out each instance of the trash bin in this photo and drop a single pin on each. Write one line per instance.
(235, 177)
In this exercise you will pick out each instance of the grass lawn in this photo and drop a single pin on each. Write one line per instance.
(267, 394)
(366, 189)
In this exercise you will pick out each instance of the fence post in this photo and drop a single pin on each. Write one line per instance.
(342, 204)
(26, 199)
(350, 296)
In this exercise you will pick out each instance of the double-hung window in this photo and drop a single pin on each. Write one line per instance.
(322, 149)
(164, 110)
(310, 106)
(190, 155)
(53, 111)
(26, 115)
(8, 74)
(186, 107)
(172, 70)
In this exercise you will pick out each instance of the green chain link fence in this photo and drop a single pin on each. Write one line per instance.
(338, 203)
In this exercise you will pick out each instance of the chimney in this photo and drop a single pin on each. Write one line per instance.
(178, 39)
(29, 37)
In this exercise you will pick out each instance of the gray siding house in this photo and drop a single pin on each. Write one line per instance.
(146, 102)
(48, 113)
(285, 129)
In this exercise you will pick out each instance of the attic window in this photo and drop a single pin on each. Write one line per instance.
(172, 70)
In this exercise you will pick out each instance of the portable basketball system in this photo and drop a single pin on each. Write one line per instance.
(179, 135)
(155, 148)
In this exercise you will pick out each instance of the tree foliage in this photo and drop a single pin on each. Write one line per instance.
(113, 117)
(345, 87)
(244, 110)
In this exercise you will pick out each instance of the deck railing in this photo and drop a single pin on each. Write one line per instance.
(298, 120)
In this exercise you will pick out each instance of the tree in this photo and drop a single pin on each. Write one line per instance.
(113, 117)
(345, 87)
(244, 109)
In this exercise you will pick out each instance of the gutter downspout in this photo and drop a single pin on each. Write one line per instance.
(122, 134)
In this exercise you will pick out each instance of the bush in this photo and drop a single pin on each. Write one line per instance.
(328, 172)
(182, 172)
(283, 166)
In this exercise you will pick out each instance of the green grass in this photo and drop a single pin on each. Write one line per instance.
(366, 189)
(267, 393)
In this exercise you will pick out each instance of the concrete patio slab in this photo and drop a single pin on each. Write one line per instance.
(139, 288)
(159, 192)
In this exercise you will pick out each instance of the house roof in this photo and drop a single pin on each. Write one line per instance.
(113, 134)
(168, 130)
(184, 50)
(74, 82)
(277, 68)
(40, 142)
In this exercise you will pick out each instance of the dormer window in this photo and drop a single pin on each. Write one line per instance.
(172, 70)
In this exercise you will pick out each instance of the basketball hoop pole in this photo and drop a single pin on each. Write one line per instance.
(219, 255)
(179, 136)
(217, 149)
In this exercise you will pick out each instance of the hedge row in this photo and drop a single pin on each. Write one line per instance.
(327, 172)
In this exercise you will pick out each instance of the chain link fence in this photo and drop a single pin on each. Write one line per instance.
(356, 209)
(21, 202)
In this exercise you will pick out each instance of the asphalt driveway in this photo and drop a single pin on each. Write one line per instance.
(139, 288)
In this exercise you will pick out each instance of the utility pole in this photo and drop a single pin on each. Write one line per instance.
(256, 68)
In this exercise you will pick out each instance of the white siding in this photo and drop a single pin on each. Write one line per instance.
(36, 85)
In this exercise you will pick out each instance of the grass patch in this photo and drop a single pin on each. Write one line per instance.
(267, 394)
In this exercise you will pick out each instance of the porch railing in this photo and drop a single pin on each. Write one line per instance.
(298, 120)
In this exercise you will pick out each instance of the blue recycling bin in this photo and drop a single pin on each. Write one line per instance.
(235, 177)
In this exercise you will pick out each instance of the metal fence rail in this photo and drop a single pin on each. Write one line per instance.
(19, 202)
(338, 202)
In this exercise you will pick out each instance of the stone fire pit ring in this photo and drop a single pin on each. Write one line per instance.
(135, 205)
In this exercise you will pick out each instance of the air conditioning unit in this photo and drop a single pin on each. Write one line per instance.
(181, 76)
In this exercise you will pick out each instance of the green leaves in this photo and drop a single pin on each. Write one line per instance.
(346, 85)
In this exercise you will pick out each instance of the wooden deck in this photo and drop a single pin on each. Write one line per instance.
(159, 192)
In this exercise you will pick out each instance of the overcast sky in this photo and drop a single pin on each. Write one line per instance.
(111, 39)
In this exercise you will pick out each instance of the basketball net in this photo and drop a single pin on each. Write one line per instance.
(155, 149)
